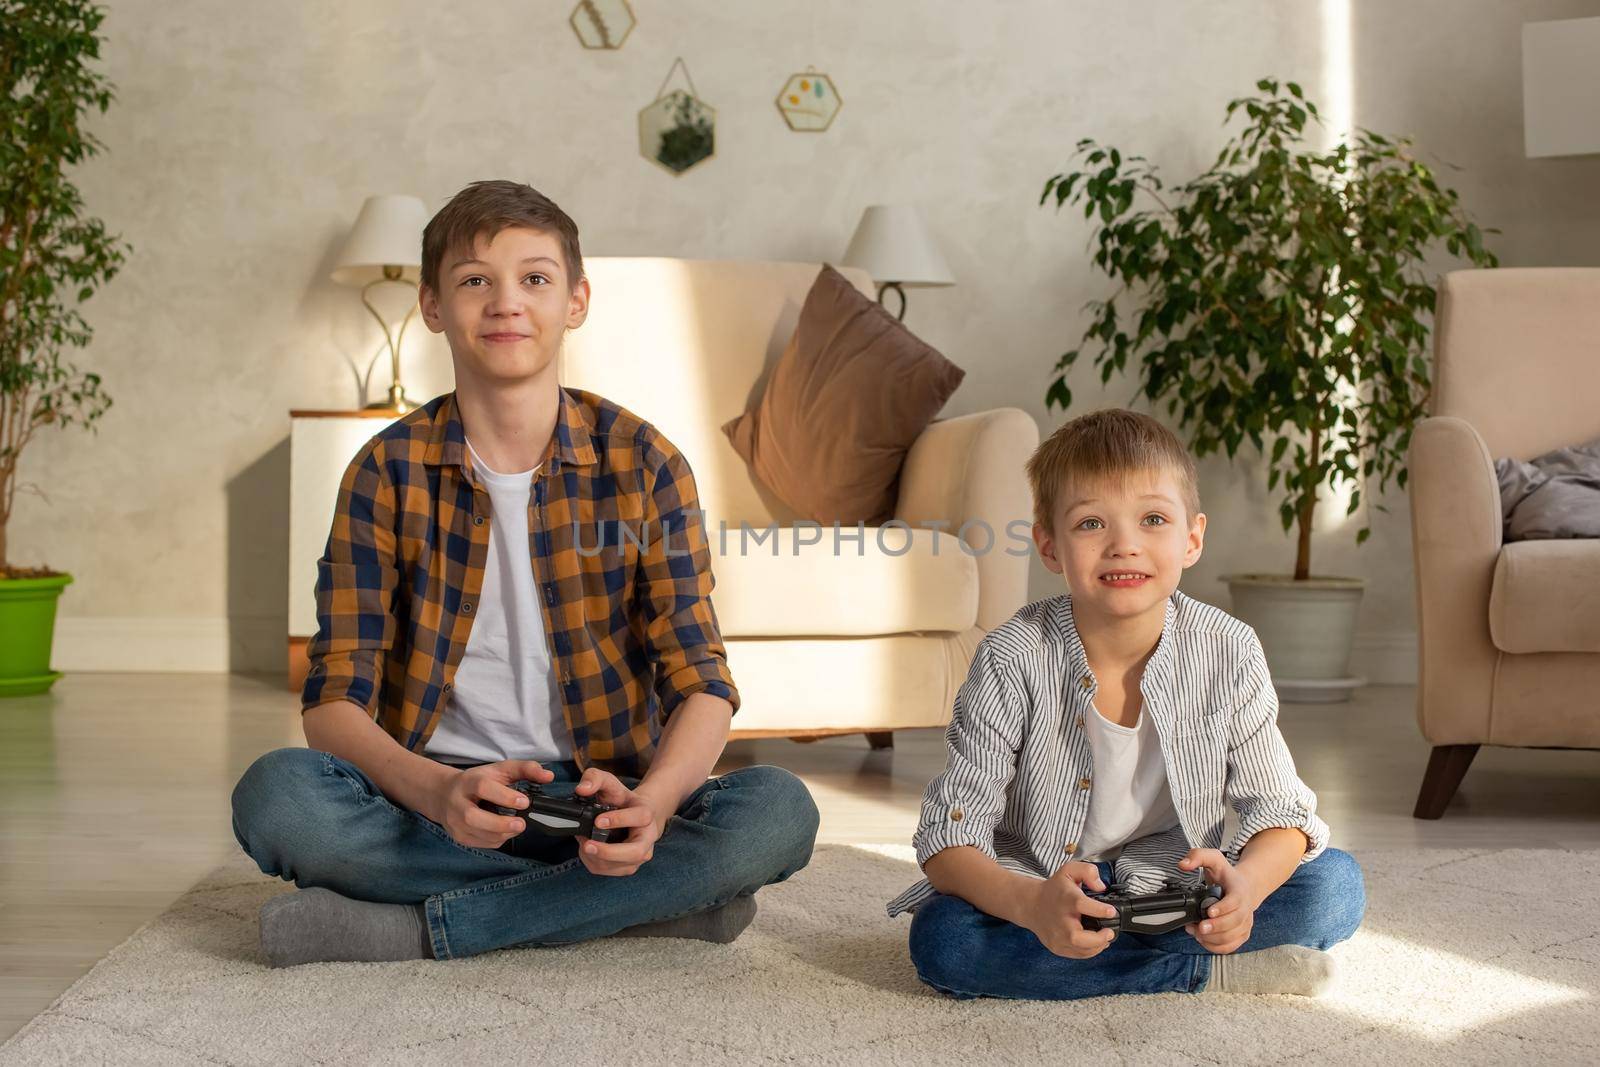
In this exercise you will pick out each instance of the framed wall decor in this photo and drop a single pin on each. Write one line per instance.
(809, 101)
(602, 23)
(678, 130)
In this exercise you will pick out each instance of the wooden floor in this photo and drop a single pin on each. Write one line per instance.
(114, 799)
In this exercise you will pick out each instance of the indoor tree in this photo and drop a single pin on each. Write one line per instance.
(1280, 294)
(52, 256)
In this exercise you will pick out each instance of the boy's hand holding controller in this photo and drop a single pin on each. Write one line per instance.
(644, 816)
(1230, 920)
(1054, 910)
(456, 802)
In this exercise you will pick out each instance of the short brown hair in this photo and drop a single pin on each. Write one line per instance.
(483, 209)
(1108, 445)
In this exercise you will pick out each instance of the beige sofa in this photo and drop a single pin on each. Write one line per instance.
(867, 640)
(1509, 633)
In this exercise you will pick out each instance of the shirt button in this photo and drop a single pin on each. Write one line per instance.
(1087, 682)
(466, 609)
(1083, 783)
(549, 594)
(477, 520)
(448, 686)
(1080, 722)
(956, 814)
(1072, 846)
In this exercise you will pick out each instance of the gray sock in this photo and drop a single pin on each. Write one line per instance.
(721, 925)
(1291, 969)
(319, 926)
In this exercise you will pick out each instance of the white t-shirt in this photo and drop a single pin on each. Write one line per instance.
(505, 704)
(1130, 797)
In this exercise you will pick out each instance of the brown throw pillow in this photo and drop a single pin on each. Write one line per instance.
(850, 394)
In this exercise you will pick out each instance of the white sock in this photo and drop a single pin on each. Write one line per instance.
(1290, 969)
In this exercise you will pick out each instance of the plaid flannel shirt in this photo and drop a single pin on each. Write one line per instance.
(620, 561)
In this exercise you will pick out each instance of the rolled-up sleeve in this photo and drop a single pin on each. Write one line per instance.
(356, 581)
(1263, 786)
(675, 584)
(964, 804)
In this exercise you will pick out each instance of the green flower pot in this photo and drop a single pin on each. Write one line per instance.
(27, 628)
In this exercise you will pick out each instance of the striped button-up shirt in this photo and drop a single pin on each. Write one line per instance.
(620, 565)
(1020, 772)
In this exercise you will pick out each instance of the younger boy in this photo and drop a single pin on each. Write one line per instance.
(1099, 737)
(464, 643)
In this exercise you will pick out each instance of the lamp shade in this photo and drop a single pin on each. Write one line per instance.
(892, 244)
(387, 233)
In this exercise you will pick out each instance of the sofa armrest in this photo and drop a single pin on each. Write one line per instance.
(970, 470)
(1456, 531)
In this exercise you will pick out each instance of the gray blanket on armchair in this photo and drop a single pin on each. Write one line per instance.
(1553, 495)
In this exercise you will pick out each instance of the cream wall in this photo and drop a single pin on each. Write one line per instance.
(246, 136)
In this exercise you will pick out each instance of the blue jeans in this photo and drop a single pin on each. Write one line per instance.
(317, 820)
(966, 953)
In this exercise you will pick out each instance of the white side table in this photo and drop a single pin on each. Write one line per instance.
(321, 445)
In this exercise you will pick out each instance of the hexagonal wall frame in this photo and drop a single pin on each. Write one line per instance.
(602, 24)
(677, 131)
(809, 102)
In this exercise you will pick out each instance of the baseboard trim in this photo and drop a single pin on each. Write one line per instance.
(1385, 658)
(246, 644)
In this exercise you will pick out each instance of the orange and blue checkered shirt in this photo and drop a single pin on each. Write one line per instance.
(620, 563)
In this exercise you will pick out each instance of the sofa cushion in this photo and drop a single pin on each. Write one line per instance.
(845, 401)
(909, 581)
(1546, 597)
(894, 682)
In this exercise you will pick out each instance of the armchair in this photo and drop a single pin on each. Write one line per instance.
(1509, 634)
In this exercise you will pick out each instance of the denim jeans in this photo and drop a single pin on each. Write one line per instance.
(966, 953)
(317, 820)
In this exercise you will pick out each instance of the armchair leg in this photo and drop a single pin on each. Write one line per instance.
(881, 739)
(1446, 767)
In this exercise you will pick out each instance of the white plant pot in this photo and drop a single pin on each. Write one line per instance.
(1306, 628)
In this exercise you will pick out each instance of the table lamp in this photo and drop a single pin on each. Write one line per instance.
(385, 248)
(892, 244)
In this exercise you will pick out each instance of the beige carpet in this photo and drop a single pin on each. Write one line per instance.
(1465, 958)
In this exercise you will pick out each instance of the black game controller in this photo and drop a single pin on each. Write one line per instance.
(560, 816)
(1169, 908)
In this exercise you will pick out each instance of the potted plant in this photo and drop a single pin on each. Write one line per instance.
(52, 258)
(1278, 295)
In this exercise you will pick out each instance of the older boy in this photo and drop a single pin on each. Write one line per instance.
(1097, 738)
(465, 643)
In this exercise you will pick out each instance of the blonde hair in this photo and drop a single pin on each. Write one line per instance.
(1108, 446)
